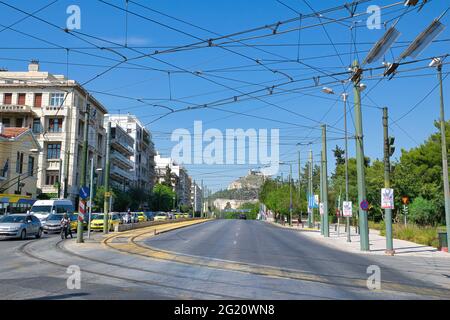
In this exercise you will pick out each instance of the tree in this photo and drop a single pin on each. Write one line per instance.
(338, 154)
(162, 197)
(422, 211)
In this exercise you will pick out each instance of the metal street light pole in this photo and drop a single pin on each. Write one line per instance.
(310, 190)
(326, 227)
(107, 194)
(387, 184)
(344, 97)
(444, 153)
(363, 223)
(290, 191)
(83, 171)
(91, 196)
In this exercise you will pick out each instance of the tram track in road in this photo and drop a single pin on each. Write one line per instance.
(23, 250)
(134, 246)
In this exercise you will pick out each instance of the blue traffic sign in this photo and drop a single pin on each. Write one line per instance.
(364, 205)
(84, 192)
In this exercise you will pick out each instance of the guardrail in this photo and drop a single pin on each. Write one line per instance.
(132, 226)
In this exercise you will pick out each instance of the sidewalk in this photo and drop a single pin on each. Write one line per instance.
(376, 241)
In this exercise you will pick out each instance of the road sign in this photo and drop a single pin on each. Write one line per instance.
(84, 193)
(364, 205)
(321, 208)
(347, 208)
(387, 198)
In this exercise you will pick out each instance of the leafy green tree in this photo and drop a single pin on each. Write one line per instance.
(162, 198)
(422, 211)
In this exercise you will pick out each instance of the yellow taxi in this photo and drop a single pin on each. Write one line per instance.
(161, 216)
(178, 215)
(74, 222)
(97, 221)
(142, 217)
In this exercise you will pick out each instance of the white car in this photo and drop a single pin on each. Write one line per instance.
(41, 209)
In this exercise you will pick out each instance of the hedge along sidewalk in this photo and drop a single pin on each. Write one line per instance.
(376, 241)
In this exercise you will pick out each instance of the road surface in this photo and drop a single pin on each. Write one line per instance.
(37, 269)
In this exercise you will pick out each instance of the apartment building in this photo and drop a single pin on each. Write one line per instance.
(54, 108)
(144, 149)
(196, 197)
(181, 182)
(121, 152)
(19, 150)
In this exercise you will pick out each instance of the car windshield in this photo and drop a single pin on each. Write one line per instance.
(41, 209)
(12, 219)
(97, 217)
(55, 217)
(161, 214)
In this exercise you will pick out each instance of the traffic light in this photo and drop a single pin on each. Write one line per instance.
(391, 147)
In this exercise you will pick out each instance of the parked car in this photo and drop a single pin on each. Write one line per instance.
(150, 215)
(160, 216)
(141, 216)
(20, 226)
(98, 219)
(41, 209)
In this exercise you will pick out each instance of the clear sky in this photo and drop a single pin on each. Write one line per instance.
(234, 68)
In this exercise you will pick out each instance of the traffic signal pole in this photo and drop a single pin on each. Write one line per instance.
(363, 223)
(387, 184)
(344, 96)
(321, 192)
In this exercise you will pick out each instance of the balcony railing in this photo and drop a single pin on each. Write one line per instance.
(123, 173)
(15, 108)
(124, 160)
(122, 145)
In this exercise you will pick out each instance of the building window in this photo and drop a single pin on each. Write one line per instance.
(30, 166)
(37, 128)
(7, 98)
(51, 178)
(19, 163)
(6, 122)
(55, 124)
(54, 151)
(80, 128)
(19, 122)
(38, 100)
(21, 99)
(56, 99)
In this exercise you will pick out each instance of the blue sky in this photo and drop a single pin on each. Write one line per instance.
(231, 69)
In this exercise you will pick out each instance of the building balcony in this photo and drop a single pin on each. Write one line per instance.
(120, 173)
(53, 110)
(15, 109)
(122, 147)
(121, 159)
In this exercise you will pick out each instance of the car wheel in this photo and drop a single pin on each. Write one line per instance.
(39, 234)
(23, 235)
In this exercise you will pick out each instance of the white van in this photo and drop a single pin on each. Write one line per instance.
(43, 208)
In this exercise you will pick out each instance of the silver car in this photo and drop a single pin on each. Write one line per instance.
(20, 226)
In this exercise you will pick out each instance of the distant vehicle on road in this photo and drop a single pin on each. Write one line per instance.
(141, 216)
(97, 221)
(150, 215)
(53, 223)
(41, 209)
(161, 216)
(20, 226)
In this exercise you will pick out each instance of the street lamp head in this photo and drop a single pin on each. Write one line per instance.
(436, 62)
(362, 87)
(344, 96)
(327, 90)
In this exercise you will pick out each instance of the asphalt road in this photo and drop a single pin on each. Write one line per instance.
(37, 269)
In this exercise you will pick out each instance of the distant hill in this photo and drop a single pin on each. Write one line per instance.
(244, 188)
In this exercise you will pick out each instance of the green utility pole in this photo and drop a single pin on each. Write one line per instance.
(326, 226)
(387, 183)
(66, 174)
(344, 97)
(290, 194)
(300, 187)
(310, 189)
(321, 192)
(59, 178)
(201, 209)
(444, 155)
(106, 179)
(83, 168)
(363, 223)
